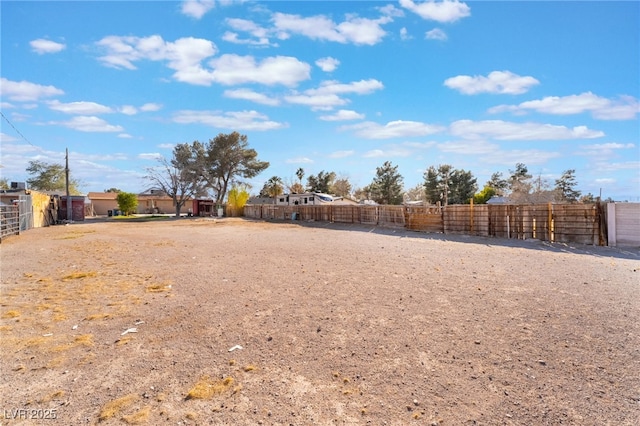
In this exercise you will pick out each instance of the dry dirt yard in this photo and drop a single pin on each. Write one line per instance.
(239, 322)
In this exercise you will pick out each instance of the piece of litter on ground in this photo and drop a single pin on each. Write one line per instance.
(75, 327)
(234, 348)
(129, 330)
(47, 335)
(139, 322)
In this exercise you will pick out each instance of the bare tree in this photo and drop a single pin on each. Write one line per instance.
(179, 178)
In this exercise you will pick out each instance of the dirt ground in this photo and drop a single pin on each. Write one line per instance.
(239, 322)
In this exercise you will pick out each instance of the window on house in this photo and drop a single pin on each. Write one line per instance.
(282, 200)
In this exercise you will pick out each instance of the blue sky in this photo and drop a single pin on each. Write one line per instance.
(337, 86)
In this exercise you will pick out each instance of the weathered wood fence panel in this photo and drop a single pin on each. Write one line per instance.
(570, 223)
(575, 223)
(426, 219)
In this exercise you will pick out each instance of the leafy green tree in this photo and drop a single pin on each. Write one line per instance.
(520, 183)
(386, 187)
(498, 184)
(437, 183)
(484, 195)
(4, 183)
(449, 185)
(227, 160)
(322, 182)
(181, 177)
(462, 187)
(116, 190)
(127, 202)
(50, 177)
(565, 186)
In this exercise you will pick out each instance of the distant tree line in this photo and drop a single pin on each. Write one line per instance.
(226, 162)
(441, 184)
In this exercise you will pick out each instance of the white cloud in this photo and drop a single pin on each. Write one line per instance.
(353, 30)
(529, 157)
(343, 115)
(184, 56)
(125, 136)
(404, 34)
(197, 8)
(624, 108)
(250, 95)
(436, 34)
(235, 120)
(234, 38)
(501, 82)
(128, 110)
(25, 91)
(299, 160)
(150, 156)
(166, 145)
(79, 108)
(89, 124)
(316, 101)
(393, 129)
(233, 69)
(149, 107)
(260, 34)
(374, 153)
(341, 154)
(328, 64)
(7, 138)
(326, 97)
(504, 130)
(391, 151)
(441, 11)
(468, 147)
(42, 46)
(603, 150)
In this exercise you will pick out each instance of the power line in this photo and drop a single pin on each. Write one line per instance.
(18, 131)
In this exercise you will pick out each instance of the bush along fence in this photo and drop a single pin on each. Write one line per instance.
(567, 223)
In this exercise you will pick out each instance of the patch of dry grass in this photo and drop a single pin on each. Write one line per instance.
(158, 288)
(11, 314)
(206, 387)
(112, 408)
(79, 275)
(139, 417)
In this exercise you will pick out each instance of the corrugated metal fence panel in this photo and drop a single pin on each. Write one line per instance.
(628, 224)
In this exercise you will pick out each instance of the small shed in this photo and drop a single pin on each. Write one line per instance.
(77, 208)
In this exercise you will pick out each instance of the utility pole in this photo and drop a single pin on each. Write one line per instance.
(66, 173)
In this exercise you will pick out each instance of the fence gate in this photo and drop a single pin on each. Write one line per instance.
(25, 207)
(9, 221)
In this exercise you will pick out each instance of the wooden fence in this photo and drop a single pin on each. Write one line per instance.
(569, 223)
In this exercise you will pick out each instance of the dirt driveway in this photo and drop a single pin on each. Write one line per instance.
(241, 322)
